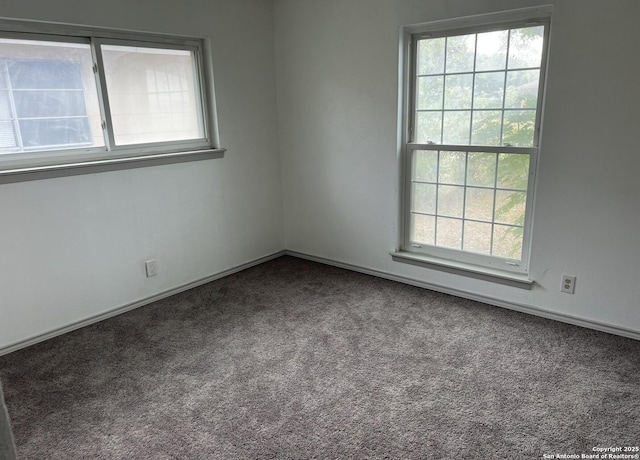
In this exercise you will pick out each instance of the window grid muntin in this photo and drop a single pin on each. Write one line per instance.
(473, 90)
(506, 70)
(523, 242)
(438, 141)
(504, 98)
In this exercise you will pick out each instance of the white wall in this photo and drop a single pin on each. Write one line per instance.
(336, 67)
(74, 247)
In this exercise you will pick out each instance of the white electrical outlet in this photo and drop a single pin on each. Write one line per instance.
(151, 267)
(568, 284)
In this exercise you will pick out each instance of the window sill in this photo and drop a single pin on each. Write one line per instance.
(459, 268)
(90, 166)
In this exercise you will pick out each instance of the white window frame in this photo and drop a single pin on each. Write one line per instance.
(12, 164)
(507, 271)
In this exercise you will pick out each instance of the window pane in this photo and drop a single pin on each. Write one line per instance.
(423, 198)
(54, 132)
(486, 127)
(492, 50)
(423, 228)
(456, 127)
(457, 92)
(488, 90)
(7, 137)
(429, 127)
(430, 90)
(513, 171)
(518, 127)
(42, 104)
(425, 165)
(477, 237)
(507, 242)
(481, 169)
(449, 233)
(50, 80)
(460, 53)
(522, 89)
(45, 74)
(450, 200)
(452, 167)
(525, 47)
(5, 109)
(479, 204)
(153, 94)
(510, 207)
(431, 56)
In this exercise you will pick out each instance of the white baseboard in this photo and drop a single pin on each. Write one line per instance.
(576, 321)
(611, 329)
(131, 306)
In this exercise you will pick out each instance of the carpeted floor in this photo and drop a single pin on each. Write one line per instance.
(293, 359)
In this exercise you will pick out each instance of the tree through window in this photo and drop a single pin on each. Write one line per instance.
(473, 129)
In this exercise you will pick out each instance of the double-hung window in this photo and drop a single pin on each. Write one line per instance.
(473, 101)
(71, 96)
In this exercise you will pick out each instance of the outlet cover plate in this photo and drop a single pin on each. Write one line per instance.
(151, 267)
(568, 284)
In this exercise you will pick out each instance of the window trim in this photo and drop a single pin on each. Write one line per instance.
(55, 160)
(451, 260)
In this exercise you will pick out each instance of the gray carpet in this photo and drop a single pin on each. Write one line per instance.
(293, 359)
(7, 448)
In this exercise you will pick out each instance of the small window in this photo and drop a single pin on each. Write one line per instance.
(472, 133)
(70, 96)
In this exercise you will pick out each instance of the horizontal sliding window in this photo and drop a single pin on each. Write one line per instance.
(75, 97)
